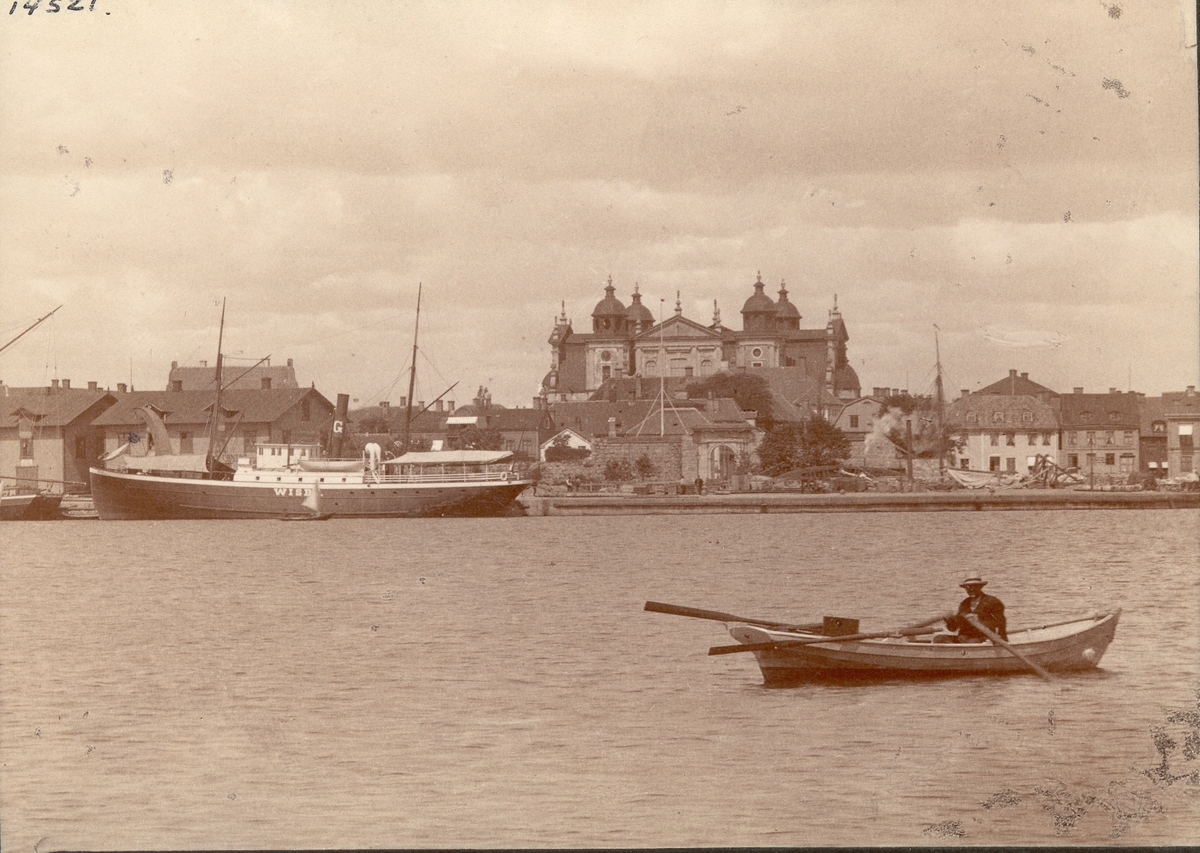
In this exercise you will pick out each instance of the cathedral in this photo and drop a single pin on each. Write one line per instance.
(626, 341)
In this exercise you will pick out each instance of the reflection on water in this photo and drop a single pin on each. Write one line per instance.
(496, 683)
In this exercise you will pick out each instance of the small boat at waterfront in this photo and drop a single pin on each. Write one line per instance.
(29, 506)
(788, 658)
(834, 649)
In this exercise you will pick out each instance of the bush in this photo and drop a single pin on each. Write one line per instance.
(566, 453)
(618, 470)
(645, 467)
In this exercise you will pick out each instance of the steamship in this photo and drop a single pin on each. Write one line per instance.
(292, 481)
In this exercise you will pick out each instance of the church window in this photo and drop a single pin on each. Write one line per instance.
(757, 353)
(606, 356)
(706, 367)
(606, 372)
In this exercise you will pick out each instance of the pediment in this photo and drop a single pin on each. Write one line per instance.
(676, 328)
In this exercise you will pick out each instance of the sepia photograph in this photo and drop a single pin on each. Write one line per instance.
(577, 425)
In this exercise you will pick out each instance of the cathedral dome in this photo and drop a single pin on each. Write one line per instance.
(637, 313)
(759, 311)
(609, 313)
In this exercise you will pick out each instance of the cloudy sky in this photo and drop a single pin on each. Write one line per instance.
(1021, 175)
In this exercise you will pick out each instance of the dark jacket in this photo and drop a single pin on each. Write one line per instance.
(989, 611)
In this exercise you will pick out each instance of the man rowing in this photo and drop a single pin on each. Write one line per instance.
(987, 609)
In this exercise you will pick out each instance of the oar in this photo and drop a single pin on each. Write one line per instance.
(715, 615)
(995, 638)
(918, 628)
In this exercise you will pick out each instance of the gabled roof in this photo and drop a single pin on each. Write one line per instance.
(676, 327)
(193, 407)
(1012, 410)
(1100, 411)
(1016, 386)
(49, 407)
(233, 377)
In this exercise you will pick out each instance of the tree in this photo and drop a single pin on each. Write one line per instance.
(618, 469)
(751, 392)
(645, 467)
(474, 438)
(812, 443)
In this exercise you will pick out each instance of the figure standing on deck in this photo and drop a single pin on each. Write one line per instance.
(988, 609)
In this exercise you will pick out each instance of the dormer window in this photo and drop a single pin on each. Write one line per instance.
(1026, 417)
(1085, 417)
(998, 417)
(1159, 428)
(1114, 416)
(972, 418)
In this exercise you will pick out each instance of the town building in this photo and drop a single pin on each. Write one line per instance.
(1001, 432)
(260, 376)
(47, 436)
(683, 439)
(1181, 411)
(1100, 433)
(251, 417)
(1152, 437)
(625, 341)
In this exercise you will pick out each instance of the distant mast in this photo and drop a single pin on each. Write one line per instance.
(412, 375)
(214, 420)
(941, 448)
(36, 323)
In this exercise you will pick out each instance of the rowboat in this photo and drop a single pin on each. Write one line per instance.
(790, 657)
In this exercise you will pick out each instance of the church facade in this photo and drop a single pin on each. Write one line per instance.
(625, 341)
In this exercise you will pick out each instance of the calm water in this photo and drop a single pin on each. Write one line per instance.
(496, 683)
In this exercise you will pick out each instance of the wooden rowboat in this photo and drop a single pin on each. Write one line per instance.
(794, 657)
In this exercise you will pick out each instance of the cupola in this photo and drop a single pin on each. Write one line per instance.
(788, 314)
(609, 314)
(758, 314)
(638, 317)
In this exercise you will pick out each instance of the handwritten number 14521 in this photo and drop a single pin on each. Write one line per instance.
(31, 6)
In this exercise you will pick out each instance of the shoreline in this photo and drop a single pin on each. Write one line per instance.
(776, 502)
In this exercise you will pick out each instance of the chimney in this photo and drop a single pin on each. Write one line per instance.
(1078, 390)
(1191, 391)
(449, 405)
(120, 387)
(93, 386)
(966, 392)
(437, 407)
(612, 427)
(289, 362)
(1025, 375)
(1012, 373)
(54, 384)
(204, 364)
(174, 365)
(66, 384)
(1112, 390)
(421, 406)
(403, 402)
(385, 407)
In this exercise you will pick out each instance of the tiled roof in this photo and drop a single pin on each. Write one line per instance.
(49, 407)
(1011, 411)
(1100, 411)
(1181, 404)
(1015, 385)
(192, 407)
(233, 377)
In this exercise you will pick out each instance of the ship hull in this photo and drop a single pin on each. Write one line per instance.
(127, 496)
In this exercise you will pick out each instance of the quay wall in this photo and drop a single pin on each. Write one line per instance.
(773, 502)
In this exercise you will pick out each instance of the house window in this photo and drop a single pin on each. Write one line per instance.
(1114, 416)
(756, 364)
(81, 447)
(995, 439)
(1110, 437)
(606, 372)
(652, 368)
(706, 368)
(687, 371)
(1026, 417)
(854, 422)
(756, 352)
(993, 463)
(1110, 459)
(1085, 417)
(1030, 462)
(1126, 463)
(1045, 439)
(1071, 439)
(1011, 465)
(1128, 436)
(964, 463)
(972, 418)
(1159, 428)
(185, 442)
(1072, 460)
(997, 417)
(1032, 439)
(1185, 464)
(1091, 439)
(1010, 439)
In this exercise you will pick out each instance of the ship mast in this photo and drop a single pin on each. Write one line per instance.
(215, 419)
(36, 323)
(939, 414)
(412, 375)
